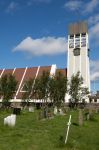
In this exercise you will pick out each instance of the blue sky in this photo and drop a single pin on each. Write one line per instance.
(34, 32)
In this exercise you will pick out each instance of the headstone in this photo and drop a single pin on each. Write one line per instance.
(88, 116)
(10, 120)
(5, 121)
(31, 109)
(55, 110)
(60, 111)
(17, 111)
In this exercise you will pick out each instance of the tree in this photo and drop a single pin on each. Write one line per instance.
(42, 87)
(58, 89)
(8, 86)
(28, 91)
(36, 89)
(83, 94)
(76, 90)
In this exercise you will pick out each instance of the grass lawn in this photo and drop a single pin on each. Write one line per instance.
(33, 134)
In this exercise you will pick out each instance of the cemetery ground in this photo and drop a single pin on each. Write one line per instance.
(30, 133)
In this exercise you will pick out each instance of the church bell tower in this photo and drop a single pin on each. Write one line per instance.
(78, 52)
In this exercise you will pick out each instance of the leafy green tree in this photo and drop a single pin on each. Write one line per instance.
(36, 89)
(42, 87)
(58, 89)
(28, 91)
(76, 90)
(8, 86)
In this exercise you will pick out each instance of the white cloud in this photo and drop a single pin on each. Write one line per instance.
(90, 6)
(82, 6)
(73, 5)
(42, 46)
(95, 76)
(12, 7)
(94, 67)
(94, 33)
(94, 40)
(93, 19)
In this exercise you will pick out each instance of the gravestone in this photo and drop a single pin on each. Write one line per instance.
(55, 110)
(10, 120)
(60, 111)
(17, 111)
(31, 109)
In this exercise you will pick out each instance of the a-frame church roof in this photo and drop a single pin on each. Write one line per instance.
(24, 74)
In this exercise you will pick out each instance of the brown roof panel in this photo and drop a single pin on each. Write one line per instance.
(63, 71)
(31, 73)
(46, 69)
(8, 71)
(19, 73)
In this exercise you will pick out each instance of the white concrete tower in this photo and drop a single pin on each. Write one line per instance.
(78, 52)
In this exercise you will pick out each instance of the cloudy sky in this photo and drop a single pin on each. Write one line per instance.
(34, 32)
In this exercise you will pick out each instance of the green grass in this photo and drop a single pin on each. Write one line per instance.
(33, 134)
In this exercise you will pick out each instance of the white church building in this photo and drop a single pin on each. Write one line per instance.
(77, 60)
